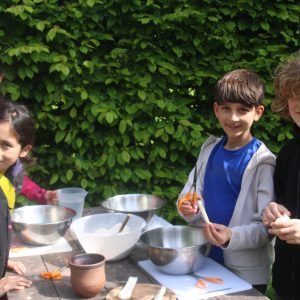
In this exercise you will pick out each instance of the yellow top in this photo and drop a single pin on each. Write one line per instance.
(8, 190)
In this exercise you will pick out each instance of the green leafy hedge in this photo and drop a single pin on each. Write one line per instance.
(121, 91)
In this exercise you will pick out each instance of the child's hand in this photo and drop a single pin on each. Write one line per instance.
(188, 204)
(217, 234)
(13, 282)
(16, 266)
(273, 211)
(51, 197)
(286, 229)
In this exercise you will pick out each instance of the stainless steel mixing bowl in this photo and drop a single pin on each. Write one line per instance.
(176, 250)
(142, 205)
(41, 224)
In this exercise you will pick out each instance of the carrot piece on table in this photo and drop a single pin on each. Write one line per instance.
(46, 275)
(200, 284)
(54, 275)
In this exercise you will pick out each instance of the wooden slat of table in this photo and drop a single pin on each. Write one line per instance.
(41, 289)
(116, 274)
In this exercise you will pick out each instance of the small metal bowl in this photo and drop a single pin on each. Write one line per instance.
(176, 250)
(142, 205)
(41, 224)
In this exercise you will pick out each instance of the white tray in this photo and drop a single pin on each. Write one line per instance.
(184, 285)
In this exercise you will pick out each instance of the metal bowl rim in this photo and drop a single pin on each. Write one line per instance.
(44, 206)
(167, 248)
(102, 203)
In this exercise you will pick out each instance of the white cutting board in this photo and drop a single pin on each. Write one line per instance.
(184, 285)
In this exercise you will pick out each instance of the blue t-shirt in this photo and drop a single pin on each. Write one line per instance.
(222, 183)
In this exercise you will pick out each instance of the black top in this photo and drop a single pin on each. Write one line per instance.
(16, 176)
(5, 230)
(286, 269)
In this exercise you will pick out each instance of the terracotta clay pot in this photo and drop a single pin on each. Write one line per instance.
(87, 274)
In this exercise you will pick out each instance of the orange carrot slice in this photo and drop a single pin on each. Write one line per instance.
(54, 275)
(200, 284)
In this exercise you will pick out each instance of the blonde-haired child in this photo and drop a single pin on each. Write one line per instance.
(283, 216)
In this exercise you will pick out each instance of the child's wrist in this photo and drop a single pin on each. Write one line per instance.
(229, 238)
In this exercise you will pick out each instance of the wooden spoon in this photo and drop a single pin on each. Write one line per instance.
(124, 223)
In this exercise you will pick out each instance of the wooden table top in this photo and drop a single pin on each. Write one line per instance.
(116, 274)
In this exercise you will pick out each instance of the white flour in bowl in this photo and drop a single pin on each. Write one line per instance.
(111, 230)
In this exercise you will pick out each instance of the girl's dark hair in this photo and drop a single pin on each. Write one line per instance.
(21, 122)
(240, 86)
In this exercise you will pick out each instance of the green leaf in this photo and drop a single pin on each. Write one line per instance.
(161, 104)
(213, 19)
(79, 142)
(111, 161)
(177, 51)
(185, 122)
(174, 156)
(125, 174)
(159, 132)
(69, 174)
(152, 68)
(125, 156)
(144, 81)
(196, 41)
(118, 52)
(103, 159)
(60, 68)
(40, 26)
(73, 112)
(162, 153)
(265, 26)
(132, 109)
(142, 95)
(112, 92)
(84, 183)
(51, 34)
(110, 117)
(59, 136)
(54, 179)
(84, 95)
(90, 3)
(50, 87)
(169, 129)
(62, 124)
(143, 174)
(122, 126)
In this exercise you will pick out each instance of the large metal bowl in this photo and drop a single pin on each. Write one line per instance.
(176, 250)
(41, 224)
(142, 205)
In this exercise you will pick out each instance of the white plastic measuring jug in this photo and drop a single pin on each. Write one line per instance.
(72, 197)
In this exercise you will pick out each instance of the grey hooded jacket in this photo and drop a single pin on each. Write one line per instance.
(250, 251)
